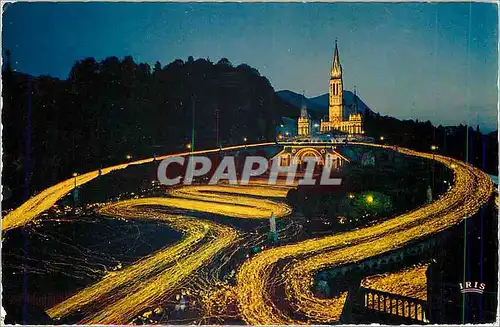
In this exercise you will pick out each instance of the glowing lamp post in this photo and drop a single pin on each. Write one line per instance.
(75, 175)
(75, 191)
(369, 199)
(433, 148)
(381, 138)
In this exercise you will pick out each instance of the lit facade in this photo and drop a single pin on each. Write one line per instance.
(325, 156)
(304, 123)
(354, 123)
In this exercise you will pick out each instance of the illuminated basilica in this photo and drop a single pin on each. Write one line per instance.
(352, 125)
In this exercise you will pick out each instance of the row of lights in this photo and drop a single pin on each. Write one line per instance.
(245, 139)
(128, 157)
(188, 146)
(433, 147)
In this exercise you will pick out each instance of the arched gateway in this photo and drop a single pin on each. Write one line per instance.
(324, 155)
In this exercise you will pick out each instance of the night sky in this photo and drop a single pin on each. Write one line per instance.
(414, 60)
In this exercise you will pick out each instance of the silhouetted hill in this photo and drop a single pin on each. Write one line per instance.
(318, 106)
(296, 99)
(321, 101)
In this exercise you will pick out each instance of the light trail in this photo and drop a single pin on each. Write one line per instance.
(255, 279)
(232, 200)
(37, 204)
(121, 295)
(411, 282)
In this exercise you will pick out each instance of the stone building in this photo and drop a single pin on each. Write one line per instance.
(354, 123)
(304, 123)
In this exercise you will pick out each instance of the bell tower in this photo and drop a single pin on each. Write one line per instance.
(304, 122)
(335, 103)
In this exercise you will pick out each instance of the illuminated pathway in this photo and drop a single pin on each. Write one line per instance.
(121, 295)
(37, 204)
(232, 200)
(258, 276)
(411, 282)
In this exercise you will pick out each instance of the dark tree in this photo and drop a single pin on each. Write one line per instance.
(106, 110)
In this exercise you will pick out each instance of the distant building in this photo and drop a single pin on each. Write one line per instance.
(354, 123)
(304, 123)
(325, 156)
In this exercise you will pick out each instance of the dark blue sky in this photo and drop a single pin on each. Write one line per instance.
(411, 60)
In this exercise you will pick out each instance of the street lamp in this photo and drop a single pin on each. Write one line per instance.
(75, 175)
(381, 138)
(433, 148)
(128, 157)
(245, 139)
(188, 146)
(75, 191)
(369, 198)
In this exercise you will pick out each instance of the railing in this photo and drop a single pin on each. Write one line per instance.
(401, 306)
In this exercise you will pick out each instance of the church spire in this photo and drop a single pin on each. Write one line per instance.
(336, 71)
(303, 109)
